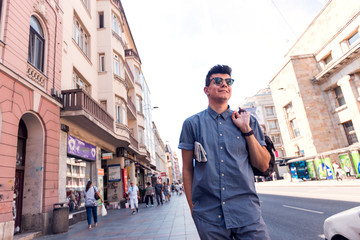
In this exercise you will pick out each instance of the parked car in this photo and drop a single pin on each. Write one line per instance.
(343, 225)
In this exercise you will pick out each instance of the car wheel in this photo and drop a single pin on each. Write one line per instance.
(339, 237)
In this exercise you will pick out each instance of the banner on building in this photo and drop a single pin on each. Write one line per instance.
(106, 156)
(163, 174)
(79, 148)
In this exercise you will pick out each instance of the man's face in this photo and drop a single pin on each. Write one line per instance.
(132, 184)
(218, 93)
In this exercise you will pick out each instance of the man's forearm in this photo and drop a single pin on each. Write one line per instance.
(259, 156)
(187, 179)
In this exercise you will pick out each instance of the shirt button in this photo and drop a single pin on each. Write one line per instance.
(238, 137)
(220, 134)
(219, 216)
(223, 203)
(222, 160)
(221, 147)
(222, 174)
(223, 189)
(219, 122)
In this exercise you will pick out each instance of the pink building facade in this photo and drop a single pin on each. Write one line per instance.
(30, 75)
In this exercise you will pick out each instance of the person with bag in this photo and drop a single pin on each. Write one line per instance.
(92, 195)
(219, 184)
(158, 192)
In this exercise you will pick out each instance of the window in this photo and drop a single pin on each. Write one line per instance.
(101, 62)
(80, 83)
(270, 111)
(295, 128)
(138, 104)
(141, 136)
(137, 75)
(116, 27)
(328, 59)
(353, 38)
(86, 4)
(273, 124)
(120, 110)
(339, 96)
(80, 37)
(36, 44)
(116, 65)
(350, 132)
(103, 103)
(276, 138)
(101, 19)
(291, 121)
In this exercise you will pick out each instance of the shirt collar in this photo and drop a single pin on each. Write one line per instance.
(224, 115)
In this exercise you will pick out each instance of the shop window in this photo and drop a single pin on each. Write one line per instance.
(353, 38)
(339, 96)
(36, 44)
(350, 132)
(81, 37)
(76, 172)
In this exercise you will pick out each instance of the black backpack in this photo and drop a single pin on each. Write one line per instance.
(271, 149)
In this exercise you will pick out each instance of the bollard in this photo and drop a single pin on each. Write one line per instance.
(60, 218)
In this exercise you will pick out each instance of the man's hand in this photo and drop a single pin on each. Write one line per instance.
(242, 121)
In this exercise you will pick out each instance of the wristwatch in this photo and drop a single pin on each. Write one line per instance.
(248, 133)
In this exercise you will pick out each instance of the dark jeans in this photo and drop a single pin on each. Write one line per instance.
(159, 198)
(88, 214)
(147, 199)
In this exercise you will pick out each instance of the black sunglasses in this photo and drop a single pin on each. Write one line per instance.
(219, 81)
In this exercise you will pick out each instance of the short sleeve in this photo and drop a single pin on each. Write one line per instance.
(187, 136)
(258, 133)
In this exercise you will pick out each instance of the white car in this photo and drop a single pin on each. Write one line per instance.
(343, 225)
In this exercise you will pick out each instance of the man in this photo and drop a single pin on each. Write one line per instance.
(134, 196)
(149, 194)
(220, 187)
(158, 192)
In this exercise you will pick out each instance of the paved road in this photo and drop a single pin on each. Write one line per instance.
(169, 221)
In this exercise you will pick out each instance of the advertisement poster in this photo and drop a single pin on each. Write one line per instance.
(101, 183)
(311, 169)
(329, 169)
(301, 169)
(114, 173)
(79, 148)
(345, 161)
(293, 171)
(320, 168)
(356, 160)
(124, 174)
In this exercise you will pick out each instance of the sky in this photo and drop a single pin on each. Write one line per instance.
(178, 41)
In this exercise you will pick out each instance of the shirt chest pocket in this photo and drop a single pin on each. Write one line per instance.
(237, 145)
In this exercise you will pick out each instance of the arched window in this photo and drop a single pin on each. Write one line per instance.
(36, 44)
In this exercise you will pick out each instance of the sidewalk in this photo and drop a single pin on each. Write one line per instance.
(169, 221)
(345, 182)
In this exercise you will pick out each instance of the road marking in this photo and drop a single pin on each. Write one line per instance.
(303, 209)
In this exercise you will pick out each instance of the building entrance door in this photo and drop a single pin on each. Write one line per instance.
(18, 197)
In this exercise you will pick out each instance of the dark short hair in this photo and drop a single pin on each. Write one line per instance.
(223, 69)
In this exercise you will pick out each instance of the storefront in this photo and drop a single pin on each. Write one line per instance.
(80, 162)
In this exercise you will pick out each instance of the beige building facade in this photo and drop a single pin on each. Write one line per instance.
(103, 136)
(317, 93)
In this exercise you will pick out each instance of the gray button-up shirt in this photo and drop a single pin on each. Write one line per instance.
(223, 188)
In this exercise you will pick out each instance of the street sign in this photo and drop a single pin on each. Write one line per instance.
(163, 174)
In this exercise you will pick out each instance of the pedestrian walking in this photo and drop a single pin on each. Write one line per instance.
(149, 194)
(219, 186)
(347, 171)
(158, 192)
(91, 203)
(172, 189)
(165, 191)
(134, 196)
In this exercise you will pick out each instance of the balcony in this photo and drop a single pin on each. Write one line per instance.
(79, 100)
(134, 143)
(132, 53)
(35, 75)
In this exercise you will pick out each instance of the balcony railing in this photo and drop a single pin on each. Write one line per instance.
(77, 99)
(37, 76)
(132, 53)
